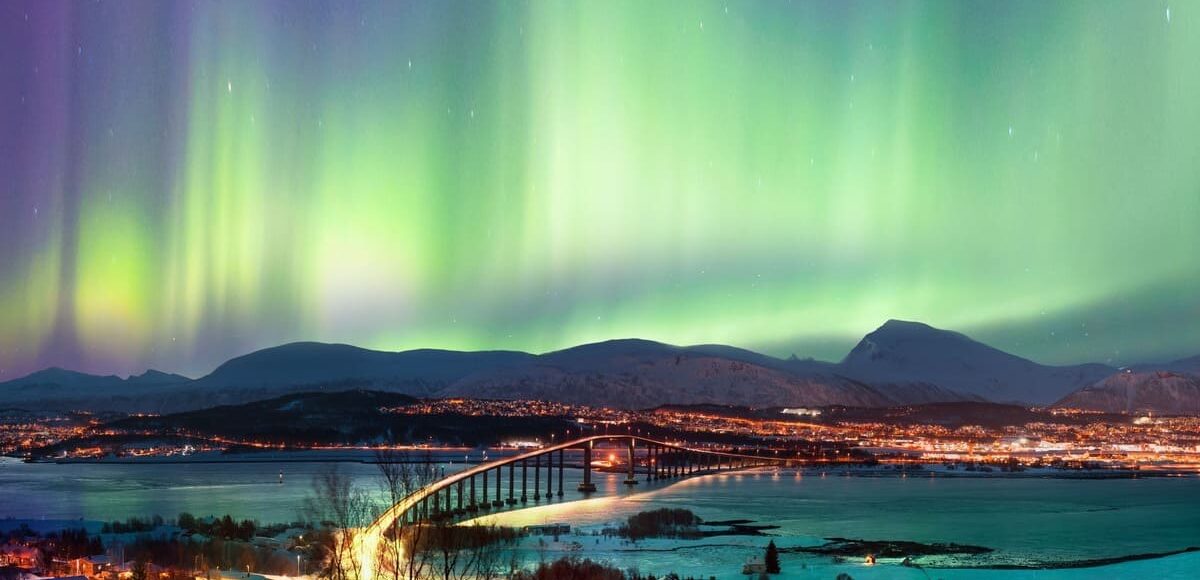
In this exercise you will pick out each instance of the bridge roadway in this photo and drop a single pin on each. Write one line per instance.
(662, 460)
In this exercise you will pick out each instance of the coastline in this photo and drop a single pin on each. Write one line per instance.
(462, 455)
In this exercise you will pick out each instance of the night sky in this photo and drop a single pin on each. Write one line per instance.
(181, 182)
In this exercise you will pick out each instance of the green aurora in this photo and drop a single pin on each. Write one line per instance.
(182, 182)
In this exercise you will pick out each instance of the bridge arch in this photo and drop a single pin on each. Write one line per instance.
(661, 460)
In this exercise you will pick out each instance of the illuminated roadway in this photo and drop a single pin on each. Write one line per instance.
(367, 540)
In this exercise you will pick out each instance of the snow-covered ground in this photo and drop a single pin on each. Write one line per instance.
(723, 556)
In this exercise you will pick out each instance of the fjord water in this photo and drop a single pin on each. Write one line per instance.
(1039, 518)
(1025, 518)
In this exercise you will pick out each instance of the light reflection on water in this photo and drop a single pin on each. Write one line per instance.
(1050, 518)
(1044, 518)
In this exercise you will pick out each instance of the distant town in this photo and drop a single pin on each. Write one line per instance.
(952, 434)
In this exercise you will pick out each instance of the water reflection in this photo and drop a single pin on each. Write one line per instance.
(1049, 517)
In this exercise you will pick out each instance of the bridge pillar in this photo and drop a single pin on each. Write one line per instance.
(512, 475)
(485, 489)
(561, 453)
(537, 478)
(474, 506)
(524, 480)
(550, 475)
(631, 478)
(649, 460)
(586, 486)
(499, 474)
(460, 496)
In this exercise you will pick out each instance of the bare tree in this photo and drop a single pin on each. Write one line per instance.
(417, 549)
(485, 550)
(400, 556)
(337, 509)
(474, 551)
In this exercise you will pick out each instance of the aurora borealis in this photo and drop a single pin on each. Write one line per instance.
(181, 182)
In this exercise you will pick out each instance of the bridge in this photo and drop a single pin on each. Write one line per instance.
(466, 493)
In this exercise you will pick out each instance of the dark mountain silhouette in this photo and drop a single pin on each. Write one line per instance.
(156, 378)
(899, 363)
(351, 417)
(903, 353)
(642, 373)
(57, 389)
(416, 372)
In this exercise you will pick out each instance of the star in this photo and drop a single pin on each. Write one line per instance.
(701, 25)
(229, 86)
(1168, 14)
(1010, 131)
(410, 64)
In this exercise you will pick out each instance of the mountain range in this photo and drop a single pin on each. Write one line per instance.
(900, 363)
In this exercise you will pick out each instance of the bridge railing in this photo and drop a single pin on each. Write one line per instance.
(460, 494)
(484, 487)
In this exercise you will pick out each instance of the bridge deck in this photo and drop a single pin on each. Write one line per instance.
(367, 539)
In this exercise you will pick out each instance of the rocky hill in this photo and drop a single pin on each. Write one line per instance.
(1162, 392)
